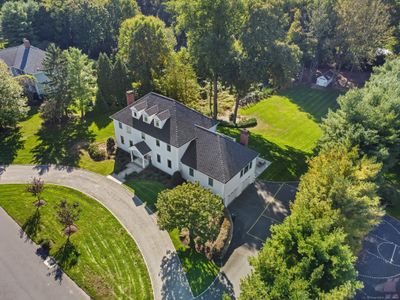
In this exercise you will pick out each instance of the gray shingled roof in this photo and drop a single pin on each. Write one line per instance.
(142, 147)
(217, 156)
(178, 130)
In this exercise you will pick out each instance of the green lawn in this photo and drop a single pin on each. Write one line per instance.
(34, 144)
(288, 129)
(146, 190)
(101, 257)
(200, 272)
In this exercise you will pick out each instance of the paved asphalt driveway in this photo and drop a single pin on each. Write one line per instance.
(256, 209)
(167, 276)
(23, 274)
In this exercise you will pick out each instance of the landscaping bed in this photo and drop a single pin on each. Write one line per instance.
(101, 257)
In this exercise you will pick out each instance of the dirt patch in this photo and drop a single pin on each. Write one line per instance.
(154, 174)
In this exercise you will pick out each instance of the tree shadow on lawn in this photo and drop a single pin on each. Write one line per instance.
(288, 163)
(31, 226)
(67, 256)
(100, 118)
(61, 145)
(10, 142)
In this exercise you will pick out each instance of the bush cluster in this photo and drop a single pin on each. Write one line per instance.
(247, 123)
(96, 153)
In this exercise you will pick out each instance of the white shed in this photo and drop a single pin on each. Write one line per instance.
(326, 79)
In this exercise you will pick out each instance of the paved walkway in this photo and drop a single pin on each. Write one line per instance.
(166, 273)
(23, 273)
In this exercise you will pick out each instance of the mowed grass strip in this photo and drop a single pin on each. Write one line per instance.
(288, 129)
(102, 258)
(200, 271)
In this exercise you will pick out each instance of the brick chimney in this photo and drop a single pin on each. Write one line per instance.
(244, 137)
(26, 42)
(130, 97)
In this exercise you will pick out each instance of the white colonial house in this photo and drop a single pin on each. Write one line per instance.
(172, 137)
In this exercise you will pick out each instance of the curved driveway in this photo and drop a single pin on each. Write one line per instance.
(166, 273)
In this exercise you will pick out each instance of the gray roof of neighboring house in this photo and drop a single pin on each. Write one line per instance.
(216, 155)
(142, 147)
(179, 128)
(14, 57)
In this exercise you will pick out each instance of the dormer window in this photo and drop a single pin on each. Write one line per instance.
(135, 114)
(157, 123)
(146, 119)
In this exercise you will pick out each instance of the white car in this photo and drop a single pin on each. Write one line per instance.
(50, 262)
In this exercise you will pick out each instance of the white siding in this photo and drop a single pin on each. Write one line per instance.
(136, 136)
(228, 191)
(217, 188)
(235, 186)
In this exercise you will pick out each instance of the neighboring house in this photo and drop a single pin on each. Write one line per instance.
(26, 59)
(172, 137)
(326, 79)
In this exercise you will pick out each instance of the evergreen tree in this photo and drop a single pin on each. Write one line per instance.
(55, 107)
(120, 83)
(346, 181)
(104, 83)
(369, 117)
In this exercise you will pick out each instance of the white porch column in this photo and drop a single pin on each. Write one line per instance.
(130, 151)
(143, 164)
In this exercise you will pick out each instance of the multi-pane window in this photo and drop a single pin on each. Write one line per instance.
(146, 119)
(169, 164)
(143, 136)
(122, 140)
(169, 148)
(158, 143)
(210, 181)
(157, 123)
(158, 158)
(191, 172)
(120, 125)
(130, 143)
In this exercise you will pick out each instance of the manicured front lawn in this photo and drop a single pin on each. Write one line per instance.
(288, 129)
(200, 272)
(35, 144)
(146, 190)
(101, 257)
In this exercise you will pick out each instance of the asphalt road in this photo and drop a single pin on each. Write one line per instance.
(23, 274)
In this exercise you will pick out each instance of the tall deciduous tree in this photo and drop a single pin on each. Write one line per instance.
(17, 19)
(211, 26)
(12, 103)
(180, 80)
(192, 207)
(363, 27)
(81, 79)
(369, 117)
(144, 46)
(264, 39)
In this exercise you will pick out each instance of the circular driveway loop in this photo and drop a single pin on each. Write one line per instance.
(166, 273)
